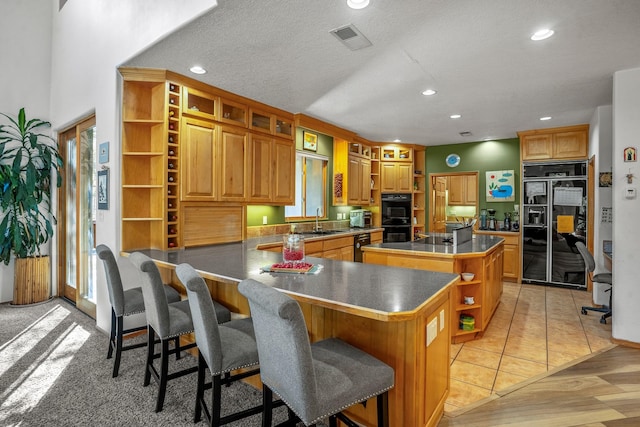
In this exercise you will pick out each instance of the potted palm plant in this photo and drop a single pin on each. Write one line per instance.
(28, 159)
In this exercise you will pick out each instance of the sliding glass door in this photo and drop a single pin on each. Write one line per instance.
(76, 222)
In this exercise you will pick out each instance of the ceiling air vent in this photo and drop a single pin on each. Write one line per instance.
(351, 37)
(465, 133)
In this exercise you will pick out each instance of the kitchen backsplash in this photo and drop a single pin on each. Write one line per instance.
(273, 229)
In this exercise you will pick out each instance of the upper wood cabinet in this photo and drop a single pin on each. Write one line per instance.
(283, 172)
(198, 160)
(199, 104)
(260, 167)
(566, 143)
(271, 123)
(233, 159)
(400, 153)
(396, 177)
(351, 161)
(359, 181)
(462, 190)
(271, 170)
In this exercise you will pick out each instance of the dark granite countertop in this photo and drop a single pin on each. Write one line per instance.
(436, 244)
(277, 238)
(380, 292)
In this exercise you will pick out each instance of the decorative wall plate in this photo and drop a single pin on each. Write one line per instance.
(452, 160)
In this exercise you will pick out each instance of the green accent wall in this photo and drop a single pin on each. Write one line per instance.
(275, 214)
(481, 156)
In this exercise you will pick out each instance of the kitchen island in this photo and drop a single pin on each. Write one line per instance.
(399, 315)
(475, 299)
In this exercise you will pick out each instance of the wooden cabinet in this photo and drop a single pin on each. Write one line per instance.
(186, 152)
(272, 170)
(283, 172)
(200, 104)
(351, 162)
(396, 177)
(511, 256)
(359, 181)
(485, 288)
(150, 126)
(198, 160)
(566, 143)
(396, 169)
(233, 159)
(260, 163)
(398, 153)
(271, 123)
(463, 190)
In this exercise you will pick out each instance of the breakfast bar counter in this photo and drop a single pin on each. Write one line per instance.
(399, 315)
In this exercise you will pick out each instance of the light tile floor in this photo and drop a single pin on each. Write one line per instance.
(535, 329)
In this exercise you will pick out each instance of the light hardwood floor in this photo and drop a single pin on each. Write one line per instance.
(535, 331)
(601, 391)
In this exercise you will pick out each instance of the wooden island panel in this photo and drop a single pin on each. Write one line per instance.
(421, 371)
(485, 288)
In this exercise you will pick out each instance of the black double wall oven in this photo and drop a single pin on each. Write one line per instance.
(396, 217)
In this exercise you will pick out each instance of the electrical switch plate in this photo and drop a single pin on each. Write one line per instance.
(432, 330)
(441, 320)
(630, 193)
(264, 220)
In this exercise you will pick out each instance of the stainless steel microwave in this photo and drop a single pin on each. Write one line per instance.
(360, 218)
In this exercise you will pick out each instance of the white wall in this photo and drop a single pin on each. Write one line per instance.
(626, 212)
(88, 39)
(26, 68)
(600, 146)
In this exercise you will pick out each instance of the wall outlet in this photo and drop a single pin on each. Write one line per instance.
(339, 215)
(432, 330)
(264, 220)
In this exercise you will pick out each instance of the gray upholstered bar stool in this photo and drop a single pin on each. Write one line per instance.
(316, 380)
(222, 349)
(123, 303)
(168, 321)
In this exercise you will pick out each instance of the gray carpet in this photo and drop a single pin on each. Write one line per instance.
(54, 372)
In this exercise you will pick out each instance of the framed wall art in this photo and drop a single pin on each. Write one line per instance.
(103, 152)
(500, 186)
(630, 154)
(103, 189)
(309, 141)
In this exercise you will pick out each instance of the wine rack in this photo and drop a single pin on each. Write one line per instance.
(173, 173)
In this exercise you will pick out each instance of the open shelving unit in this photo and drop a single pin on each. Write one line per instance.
(419, 193)
(150, 137)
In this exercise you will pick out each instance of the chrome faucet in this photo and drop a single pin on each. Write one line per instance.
(318, 226)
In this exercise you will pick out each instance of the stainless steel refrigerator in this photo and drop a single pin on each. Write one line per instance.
(553, 219)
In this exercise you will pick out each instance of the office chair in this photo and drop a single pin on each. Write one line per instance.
(600, 278)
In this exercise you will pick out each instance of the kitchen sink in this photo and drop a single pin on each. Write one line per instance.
(321, 232)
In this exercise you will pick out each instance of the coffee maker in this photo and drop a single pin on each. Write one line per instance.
(492, 219)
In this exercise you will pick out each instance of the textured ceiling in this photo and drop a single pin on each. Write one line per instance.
(476, 53)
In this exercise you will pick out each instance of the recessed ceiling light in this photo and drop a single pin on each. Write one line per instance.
(545, 33)
(545, 118)
(357, 4)
(397, 140)
(429, 92)
(455, 116)
(196, 69)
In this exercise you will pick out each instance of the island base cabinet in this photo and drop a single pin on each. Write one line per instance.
(417, 347)
(421, 370)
